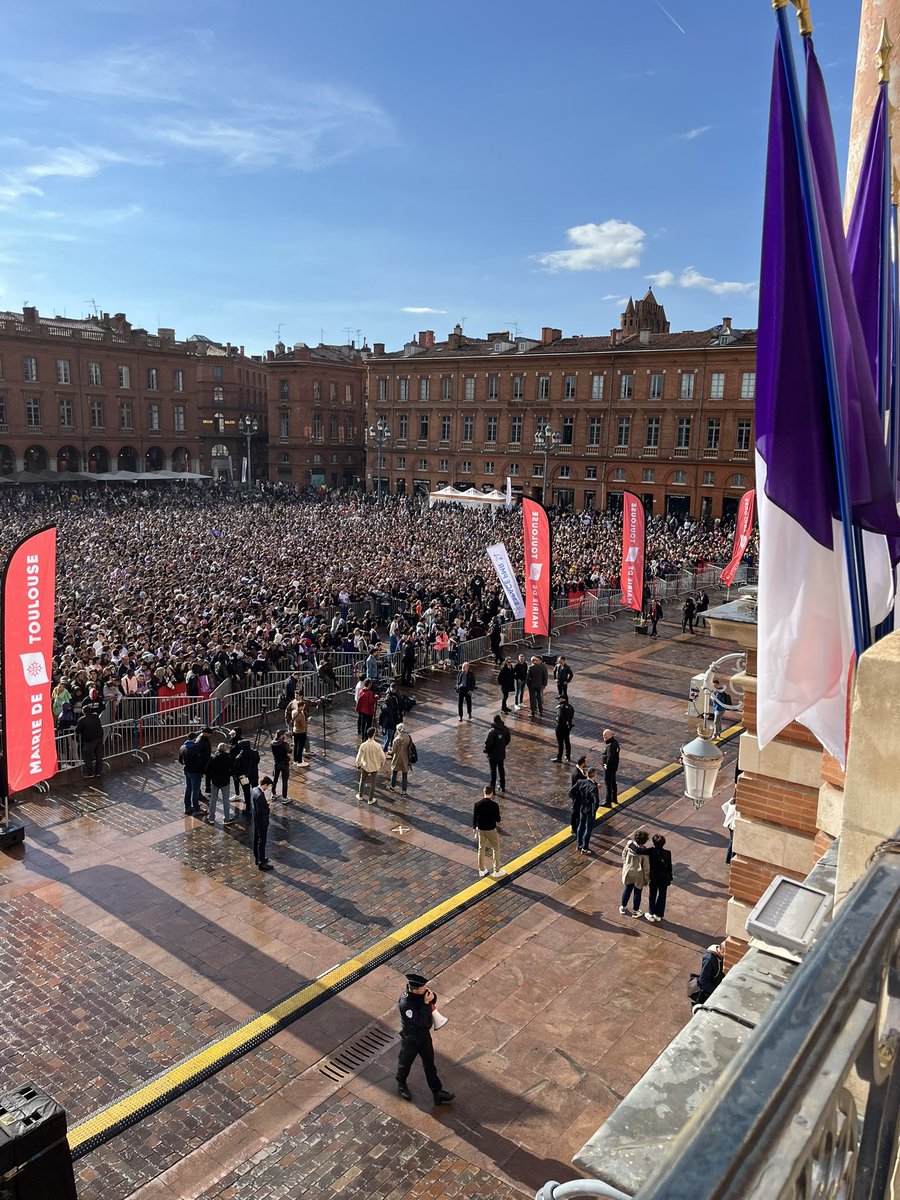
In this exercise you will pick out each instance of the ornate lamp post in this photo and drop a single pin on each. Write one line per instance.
(248, 426)
(546, 439)
(379, 433)
(701, 757)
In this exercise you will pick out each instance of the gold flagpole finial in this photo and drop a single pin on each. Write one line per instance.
(883, 54)
(804, 20)
(776, 4)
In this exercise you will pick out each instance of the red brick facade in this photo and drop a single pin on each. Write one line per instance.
(667, 416)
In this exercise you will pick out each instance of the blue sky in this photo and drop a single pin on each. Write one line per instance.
(228, 168)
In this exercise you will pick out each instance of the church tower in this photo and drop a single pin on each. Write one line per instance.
(648, 314)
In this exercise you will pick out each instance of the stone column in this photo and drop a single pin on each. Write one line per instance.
(866, 85)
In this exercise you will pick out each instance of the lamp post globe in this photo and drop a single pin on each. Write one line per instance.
(546, 439)
(379, 433)
(248, 426)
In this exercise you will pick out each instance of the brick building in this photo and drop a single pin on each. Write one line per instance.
(97, 395)
(316, 408)
(668, 416)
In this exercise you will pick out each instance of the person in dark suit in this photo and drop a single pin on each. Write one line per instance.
(610, 766)
(416, 1007)
(565, 717)
(660, 878)
(259, 806)
(89, 729)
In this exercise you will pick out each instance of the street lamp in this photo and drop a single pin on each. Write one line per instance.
(700, 757)
(546, 439)
(248, 426)
(379, 433)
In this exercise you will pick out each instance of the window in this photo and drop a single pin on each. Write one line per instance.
(619, 475)
(284, 423)
(382, 388)
(713, 429)
(679, 477)
(597, 387)
(515, 430)
(317, 458)
(489, 466)
(568, 431)
(65, 413)
(218, 395)
(537, 470)
(544, 387)
(126, 419)
(742, 441)
(317, 390)
(423, 427)
(651, 438)
(569, 387)
(737, 481)
(626, 385)
(218, 420)
(683, 436)
(348, 393)
(709, 478)
(446, 388)
(623, 431)
(29, 368)
(152, 379)
(468, 428)
(96, 414)
(348, 429)
(178, 381)
(63, 375)
(33, 412)
(401, 462)
(218, 373)
(317, 426)
(333, 427)
(286, 458)
(594, 431)
(656, 386)
(513, 468)
(403, 427)
(648, 475)
(444, 465)
(717, 385)
(491, 429)
(124, 374)
(332, 393)
(94, 374)
(686, 391)
(153, 417)
(590, 472)
(469, 387)
(517, 387)
(2, 410)
(494, 387)
(403, 393)
(466, 467)
(445, 429)
(178, 413)
(565, 471)
(748, 385)
(424, 387)
(283, 392)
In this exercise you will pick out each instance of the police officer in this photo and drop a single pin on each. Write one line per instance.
(416, 1010)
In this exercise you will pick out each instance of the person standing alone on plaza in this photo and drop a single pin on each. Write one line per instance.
(660, 878)
(259, 805)
(585, 797)
(688, 610)
(465, 686)
(506, 681)
(485, 819)
(655, 613)
(565, 718)
(495, 748)
(563, 675)
(416, 1007)
(370, 758)
(610, 767)
(189, 757)
(281, 758)
(297, 716)
(520, 675)
(538, 679)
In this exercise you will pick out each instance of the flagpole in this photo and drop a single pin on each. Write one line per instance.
(861, 631)
(885, 296)
(894, 445)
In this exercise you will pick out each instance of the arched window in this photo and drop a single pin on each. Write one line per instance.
(127, 459)
(219, 451)
(218, 421)
(35, 458)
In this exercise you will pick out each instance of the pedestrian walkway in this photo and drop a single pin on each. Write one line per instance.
(136, 939)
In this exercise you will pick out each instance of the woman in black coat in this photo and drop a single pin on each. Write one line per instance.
(660, 878)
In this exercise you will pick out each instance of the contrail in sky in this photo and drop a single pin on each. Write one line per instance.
(671, 18)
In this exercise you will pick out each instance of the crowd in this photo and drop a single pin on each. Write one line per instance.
(163, 586)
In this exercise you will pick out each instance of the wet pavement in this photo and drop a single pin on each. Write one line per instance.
(133, 937)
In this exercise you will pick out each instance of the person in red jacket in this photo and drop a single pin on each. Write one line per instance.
(365, 709)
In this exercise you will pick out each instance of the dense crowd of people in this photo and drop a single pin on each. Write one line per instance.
(184, 584)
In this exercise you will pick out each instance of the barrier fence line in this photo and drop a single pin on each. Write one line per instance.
(150, 1097)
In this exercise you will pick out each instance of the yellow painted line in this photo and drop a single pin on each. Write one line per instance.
(269, 1021)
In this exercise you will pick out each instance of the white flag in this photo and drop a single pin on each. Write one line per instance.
(508, 492)
(500, 558)
(244, 469)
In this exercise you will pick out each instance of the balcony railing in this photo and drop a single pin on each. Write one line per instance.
(681, 451)
(651, 452)
(594, 450)
(621, 451)
(709, 454)
(741, 455)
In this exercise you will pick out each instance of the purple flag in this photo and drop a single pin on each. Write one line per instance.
(868, 473)
(864, 234)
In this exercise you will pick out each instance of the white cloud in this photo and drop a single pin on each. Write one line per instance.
(424, 309)
(693, 134)
(79, 162)
(691, 278)
(598, 247)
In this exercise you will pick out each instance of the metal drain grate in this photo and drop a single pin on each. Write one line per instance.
(351, 1059)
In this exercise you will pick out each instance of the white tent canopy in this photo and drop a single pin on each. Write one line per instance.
(470, 498)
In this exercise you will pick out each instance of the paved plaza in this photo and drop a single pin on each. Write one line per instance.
(134, 937)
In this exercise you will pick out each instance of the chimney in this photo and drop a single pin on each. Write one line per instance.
(455, 339)
(166, 335)
(614, 337)
(500, 336)
(378, 349)
(426, 339)
(242, 351)
(726, 324)
(29, 314)
(270, 355)
(120, 324)
(547, 335)
(279, 347)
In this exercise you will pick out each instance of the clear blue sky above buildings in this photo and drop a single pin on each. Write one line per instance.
(228, 168)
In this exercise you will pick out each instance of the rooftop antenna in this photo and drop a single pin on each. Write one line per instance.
(278, 331)
(92, 304)
(348, 329)
(321, 336)
(515, 325)
(463, 324)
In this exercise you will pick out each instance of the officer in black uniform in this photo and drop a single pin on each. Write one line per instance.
(416, 1008)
